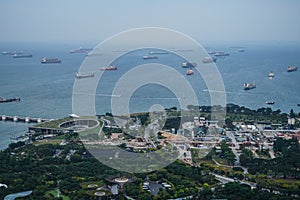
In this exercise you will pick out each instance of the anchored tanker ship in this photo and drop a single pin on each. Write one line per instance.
(50, 60)
(249, 86)
(291, 68)
(2, 100)
(21, 55)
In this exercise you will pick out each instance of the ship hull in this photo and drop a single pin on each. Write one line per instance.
(22, 56)
(249, 88)
(84, 76)
(50, 61)
(10, 100)
(149, 57)
(291, 70)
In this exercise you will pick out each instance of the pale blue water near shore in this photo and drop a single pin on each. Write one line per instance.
(46, 90)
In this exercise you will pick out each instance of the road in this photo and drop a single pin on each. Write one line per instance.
(227, 180)
(272, 154)
(153, 127)
(234, 149)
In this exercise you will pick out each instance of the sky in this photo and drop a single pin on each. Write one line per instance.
(96, 20)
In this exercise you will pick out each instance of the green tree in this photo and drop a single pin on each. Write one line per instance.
(145, 196)
(206, 186)
(292, 114)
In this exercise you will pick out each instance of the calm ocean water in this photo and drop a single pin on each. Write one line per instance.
(46, 90)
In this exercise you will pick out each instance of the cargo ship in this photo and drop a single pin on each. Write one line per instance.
(109, 68)
(271, 74)
(50, 60)
(212, 52)
(21, 55)
(221, 54)
(81, 50)
(147, 57)
(87, 75)
(2, 100)
(249, 86)
(291, 68)
(270, 102)
(157, 52)
(218, 53)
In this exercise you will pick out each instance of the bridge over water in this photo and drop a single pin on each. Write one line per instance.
(22, 119)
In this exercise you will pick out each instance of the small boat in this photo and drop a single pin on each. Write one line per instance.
(291, 68)
(271, 75)
(9, 53)
(298, 104)
(5, 53)
(189, 72)
(2, 100)
(45, 60)
(270, 102)
(184, 65)
(21, 55)
(249, 86)
(188, 65)
(209, 60)
(87, 75)
(109, 68)
(147, 57)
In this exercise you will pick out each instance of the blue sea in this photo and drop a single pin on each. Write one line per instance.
(46, 89)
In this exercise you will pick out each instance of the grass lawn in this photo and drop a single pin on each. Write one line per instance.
(54, 193)
(221, 161)
(54, 123)
(263, 154)
(92, 130)
(47, 141)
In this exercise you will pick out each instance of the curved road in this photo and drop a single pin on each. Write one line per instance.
(226, 180)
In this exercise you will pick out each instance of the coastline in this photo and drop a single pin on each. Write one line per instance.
(54, 102)
(23, 128)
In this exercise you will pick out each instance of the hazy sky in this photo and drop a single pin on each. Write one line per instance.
(47, 20)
